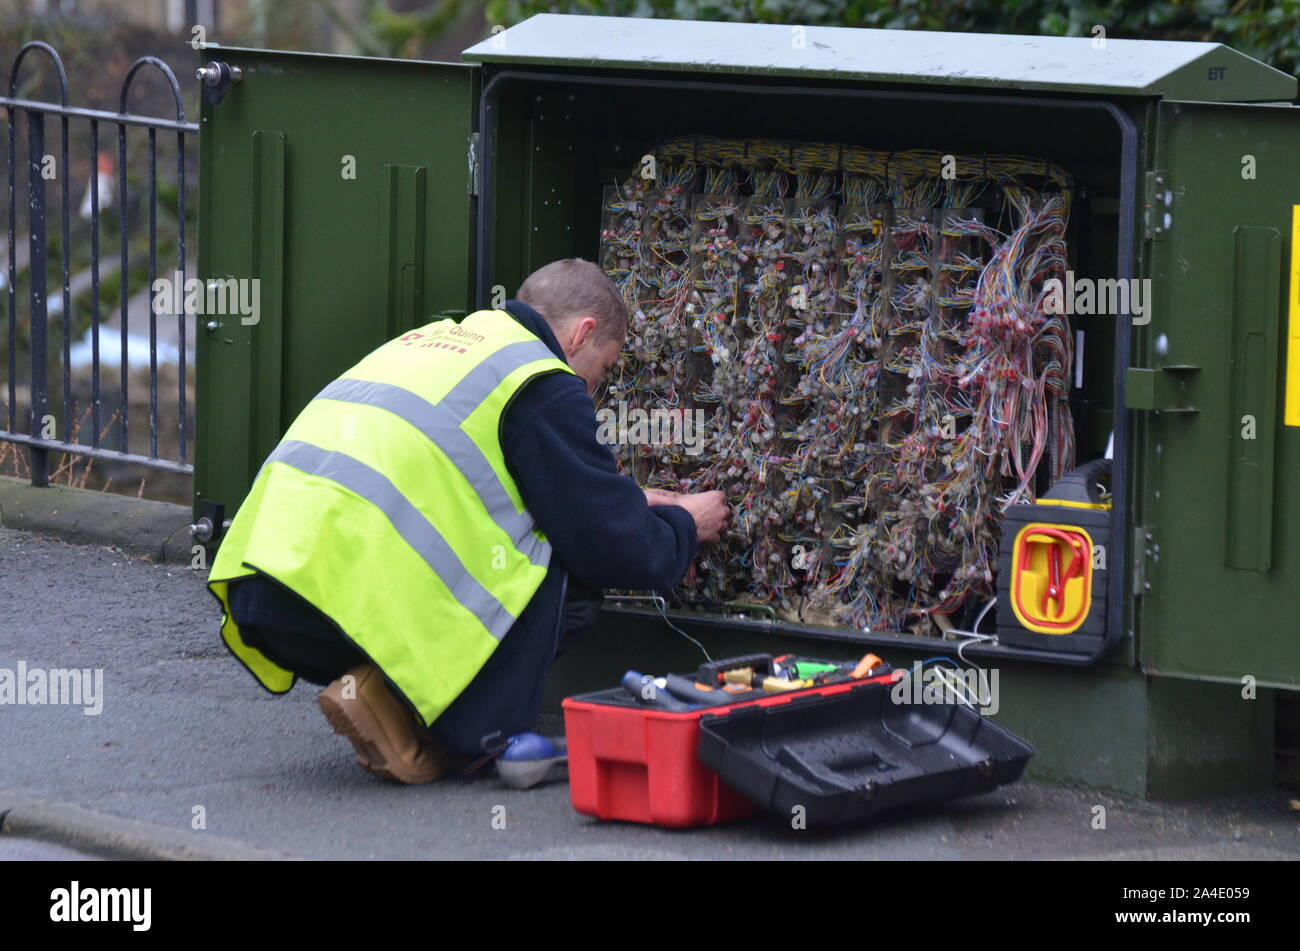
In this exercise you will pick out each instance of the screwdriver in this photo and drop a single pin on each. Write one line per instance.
(647, 692)
(747, 677)
(694, 692)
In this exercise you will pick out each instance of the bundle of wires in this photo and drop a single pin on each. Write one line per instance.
(879, 375)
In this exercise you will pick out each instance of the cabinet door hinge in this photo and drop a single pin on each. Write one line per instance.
(1157, 206)
(1145, 549)
(473, 185)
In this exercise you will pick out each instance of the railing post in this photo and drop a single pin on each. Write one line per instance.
(40, 400)
(41, 439)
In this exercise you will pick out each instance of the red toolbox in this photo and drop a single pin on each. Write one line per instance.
(638, 764)
(843, 749)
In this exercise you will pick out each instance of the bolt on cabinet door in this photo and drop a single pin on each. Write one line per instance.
(335, 191)
(1220, 549)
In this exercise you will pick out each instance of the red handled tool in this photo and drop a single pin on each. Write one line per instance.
(1054, 590)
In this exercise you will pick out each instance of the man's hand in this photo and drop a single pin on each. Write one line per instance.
(709, 509)
(661, 497)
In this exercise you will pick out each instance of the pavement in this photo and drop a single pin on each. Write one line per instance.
(156, 530)
(190, 758)
(14, 849)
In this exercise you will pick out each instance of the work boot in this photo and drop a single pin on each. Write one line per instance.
(389, 742)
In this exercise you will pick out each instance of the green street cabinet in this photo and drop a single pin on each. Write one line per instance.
(369, 196)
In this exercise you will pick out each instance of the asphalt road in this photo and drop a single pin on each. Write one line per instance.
(29, 850)
(185, 732)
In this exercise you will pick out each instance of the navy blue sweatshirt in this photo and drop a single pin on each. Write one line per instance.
(597, 520)
(601, 530)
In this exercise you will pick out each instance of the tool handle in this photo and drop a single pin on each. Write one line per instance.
(777, 685)
(1074, 541)
(711, 673)
(693, 692)
(647, 693)
(869, 664)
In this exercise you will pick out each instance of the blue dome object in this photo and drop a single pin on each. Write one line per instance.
(528, 746)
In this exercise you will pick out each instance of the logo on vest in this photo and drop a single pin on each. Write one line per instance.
(461, 340)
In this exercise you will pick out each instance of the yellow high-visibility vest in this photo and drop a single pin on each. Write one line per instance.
(388, 506)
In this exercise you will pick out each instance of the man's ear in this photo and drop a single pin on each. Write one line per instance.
(583, 329)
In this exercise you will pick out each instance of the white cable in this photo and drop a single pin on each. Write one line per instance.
(661, 605)
(952, 685)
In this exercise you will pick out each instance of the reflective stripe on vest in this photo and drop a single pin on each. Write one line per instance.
(398, 464)
(441, 423)
(414, 528)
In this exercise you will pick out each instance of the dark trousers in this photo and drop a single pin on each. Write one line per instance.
(505, 696)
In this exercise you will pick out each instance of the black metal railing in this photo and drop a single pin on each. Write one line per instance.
(33, 114)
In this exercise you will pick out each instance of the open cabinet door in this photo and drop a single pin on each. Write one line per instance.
(343, 187)
(1218, 556)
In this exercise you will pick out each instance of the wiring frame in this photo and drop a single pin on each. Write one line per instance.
(1128, 165)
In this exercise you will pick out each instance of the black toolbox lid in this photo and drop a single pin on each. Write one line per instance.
(850, 756)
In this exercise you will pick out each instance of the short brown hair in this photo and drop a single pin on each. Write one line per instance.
(572, 287)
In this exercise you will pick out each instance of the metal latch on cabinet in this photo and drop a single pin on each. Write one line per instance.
(1162, 389)
(216, 78)
(211, 523)
(748, 611)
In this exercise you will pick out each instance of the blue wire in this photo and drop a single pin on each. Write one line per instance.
(936, 660)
